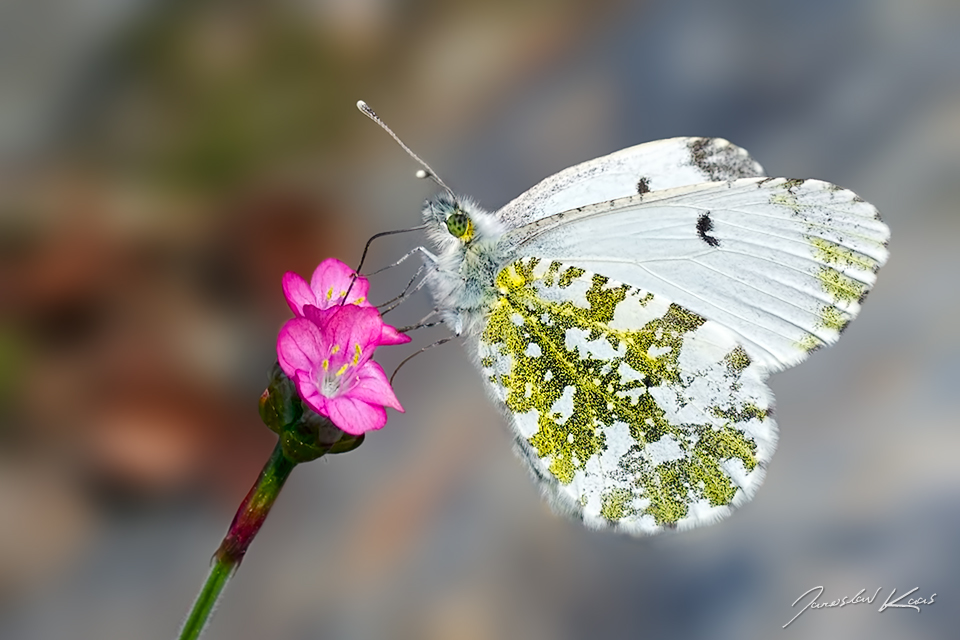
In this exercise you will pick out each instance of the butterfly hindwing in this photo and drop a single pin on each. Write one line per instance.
(784, 264)
(643, 168)
(632, 411)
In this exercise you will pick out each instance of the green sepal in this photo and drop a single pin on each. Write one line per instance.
(280, 404)
(304, 434)
(299, 447)
(348, 442)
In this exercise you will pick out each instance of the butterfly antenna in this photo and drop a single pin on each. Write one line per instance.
(426, 172)
(409, 358)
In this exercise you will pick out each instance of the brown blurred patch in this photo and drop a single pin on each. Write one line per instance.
(140, 337)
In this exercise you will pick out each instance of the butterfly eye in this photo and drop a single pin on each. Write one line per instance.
(459, 225)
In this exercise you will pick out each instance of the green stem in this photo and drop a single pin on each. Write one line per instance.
(250, 517)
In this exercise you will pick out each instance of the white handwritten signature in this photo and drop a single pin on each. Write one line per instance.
(912, 603)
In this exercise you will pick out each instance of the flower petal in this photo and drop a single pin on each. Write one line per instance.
(372, 386)
(355, 416)
(352, 332)
(297, 292)
(390, 336)
(330, 283)
(307, 388)
(299, 346)
(317, 315)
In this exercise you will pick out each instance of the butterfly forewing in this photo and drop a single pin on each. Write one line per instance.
(652, 166)
(632, 411)
(783, 264)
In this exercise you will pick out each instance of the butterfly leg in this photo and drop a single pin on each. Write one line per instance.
(390, 305)
(409, 358)
(393, 303)
(429, 258)
(423, 324)
(405, 289)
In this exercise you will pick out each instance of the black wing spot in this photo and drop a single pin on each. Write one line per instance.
(698, 153)
(704, 227)
(792, 183)
(643, 185)
(719, 160)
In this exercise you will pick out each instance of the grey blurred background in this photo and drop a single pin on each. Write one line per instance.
(163, 163)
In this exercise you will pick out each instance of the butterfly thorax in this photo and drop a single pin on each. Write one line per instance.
(469, 256)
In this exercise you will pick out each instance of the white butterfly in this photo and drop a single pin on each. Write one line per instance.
(626, 312)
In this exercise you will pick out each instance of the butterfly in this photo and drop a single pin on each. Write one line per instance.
(626, 312)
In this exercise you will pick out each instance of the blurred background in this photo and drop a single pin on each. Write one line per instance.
(163, 163)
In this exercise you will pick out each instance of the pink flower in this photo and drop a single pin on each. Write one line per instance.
(328, 289)
(327, 355)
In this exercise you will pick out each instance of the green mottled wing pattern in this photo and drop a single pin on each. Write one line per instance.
(633, 412)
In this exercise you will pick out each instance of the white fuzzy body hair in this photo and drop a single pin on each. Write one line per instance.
(461, 280)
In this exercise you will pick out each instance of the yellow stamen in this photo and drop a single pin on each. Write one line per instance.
(342, 370)
(330, 294)
(335, 350)
(326, 365)
(356, 357)
(359, 300)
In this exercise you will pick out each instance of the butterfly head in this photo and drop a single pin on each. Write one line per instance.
(454, 221)
(460, 226)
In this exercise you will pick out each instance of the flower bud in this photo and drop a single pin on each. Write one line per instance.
(280, 403)
(304, 434)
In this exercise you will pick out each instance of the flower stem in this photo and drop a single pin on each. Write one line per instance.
(250, 517)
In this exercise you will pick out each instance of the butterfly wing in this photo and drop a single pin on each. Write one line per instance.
(783, 264)
(652, 166)
(629, 341)
(631, 411)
